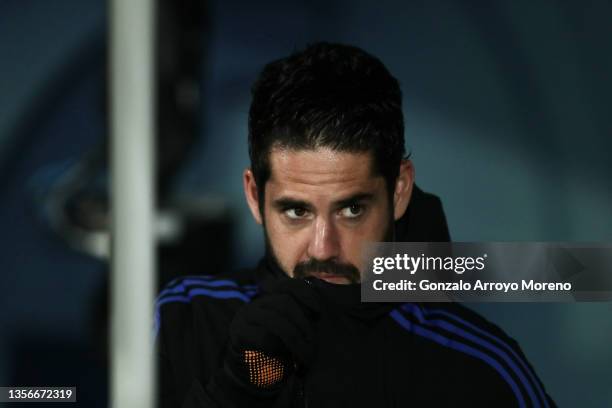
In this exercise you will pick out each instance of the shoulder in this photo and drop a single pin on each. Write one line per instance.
(192, 315)
(455, 327)
(203, 294)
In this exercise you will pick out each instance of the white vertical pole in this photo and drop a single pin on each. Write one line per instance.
(132, 158)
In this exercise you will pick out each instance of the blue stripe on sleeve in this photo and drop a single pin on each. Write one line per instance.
(185, 295)
(505, 345)
(456, 345)
(417, 311)
(203, 281)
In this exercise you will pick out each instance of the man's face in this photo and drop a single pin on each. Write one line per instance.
(320, 208)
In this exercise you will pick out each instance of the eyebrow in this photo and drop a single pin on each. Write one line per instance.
(359, 197)
(283, 203)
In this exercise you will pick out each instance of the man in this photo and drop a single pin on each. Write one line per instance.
(328, 174)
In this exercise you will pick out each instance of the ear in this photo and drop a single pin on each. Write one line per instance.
(250, 192)
(403, 189)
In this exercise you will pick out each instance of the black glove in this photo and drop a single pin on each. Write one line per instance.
(269, 339)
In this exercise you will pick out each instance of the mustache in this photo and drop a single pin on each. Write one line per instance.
(305, 269)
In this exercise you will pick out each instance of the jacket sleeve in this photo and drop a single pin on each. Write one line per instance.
(221, 393)
(179, 383)
(168, 394)
(197, 397)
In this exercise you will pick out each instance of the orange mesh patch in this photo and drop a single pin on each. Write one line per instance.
(264, 371)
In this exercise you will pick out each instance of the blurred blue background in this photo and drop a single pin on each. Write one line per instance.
(508, 117)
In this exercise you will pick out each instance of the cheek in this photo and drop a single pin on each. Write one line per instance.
(374, 229)
(289, 245)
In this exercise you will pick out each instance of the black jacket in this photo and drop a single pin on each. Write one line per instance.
(368, 355)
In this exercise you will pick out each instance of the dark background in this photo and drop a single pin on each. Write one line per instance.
(508, 118)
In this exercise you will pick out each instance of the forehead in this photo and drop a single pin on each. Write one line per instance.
(321, 171)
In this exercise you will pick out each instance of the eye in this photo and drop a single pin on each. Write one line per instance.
(296, 213)
(352, 211)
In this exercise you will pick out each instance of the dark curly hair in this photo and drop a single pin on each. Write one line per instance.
(328, 95)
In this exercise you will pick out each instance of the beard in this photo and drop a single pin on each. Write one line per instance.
(328, 266)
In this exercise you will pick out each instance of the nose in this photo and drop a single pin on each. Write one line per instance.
(324, 242)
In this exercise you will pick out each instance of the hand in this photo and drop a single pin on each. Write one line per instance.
(270, 338)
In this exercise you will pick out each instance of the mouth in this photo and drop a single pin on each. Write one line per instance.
(332, 278)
